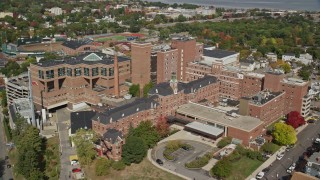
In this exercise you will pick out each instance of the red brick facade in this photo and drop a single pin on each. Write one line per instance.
(166, 65)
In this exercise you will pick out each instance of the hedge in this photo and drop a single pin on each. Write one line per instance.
(199, 162)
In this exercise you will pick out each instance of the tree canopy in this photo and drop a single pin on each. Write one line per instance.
(295, 119)
(147, 132)
(284, 134)
(85, 149)
(134, 150)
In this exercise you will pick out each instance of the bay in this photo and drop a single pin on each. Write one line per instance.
(300, 5)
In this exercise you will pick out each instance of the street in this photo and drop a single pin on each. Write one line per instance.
(5, 173)
(305, 139)
(63, 117)
(182, 157)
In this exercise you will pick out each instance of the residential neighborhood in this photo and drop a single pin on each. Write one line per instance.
(149, 90)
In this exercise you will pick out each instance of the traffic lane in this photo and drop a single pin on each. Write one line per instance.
(305, 139)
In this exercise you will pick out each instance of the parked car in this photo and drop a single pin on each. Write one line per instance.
(317, 141)
(280, 156)
(6, 158)
(8, 166)
(310, 121)
(74, 162)
(260, 175)
(75, 170)
(185, 148)
(265, 170)
(289, 147)
(291, 168)
(159, 161)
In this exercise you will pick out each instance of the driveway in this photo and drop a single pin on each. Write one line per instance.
(182, 157)
(63, 122)
(305, 139)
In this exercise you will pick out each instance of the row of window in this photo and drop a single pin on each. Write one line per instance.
(76, 72)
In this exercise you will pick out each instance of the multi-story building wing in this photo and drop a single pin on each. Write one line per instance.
(82, 79)
(17, 87)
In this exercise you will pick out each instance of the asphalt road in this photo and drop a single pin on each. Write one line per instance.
(183, 156)
(63, 118)
(305, 140)
(5, 173)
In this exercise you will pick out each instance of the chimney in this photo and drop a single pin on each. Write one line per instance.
(116, 75)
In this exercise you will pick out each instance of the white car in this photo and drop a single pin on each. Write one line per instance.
(291, 168)
(260, 175)
(317, 141)
(280, 156)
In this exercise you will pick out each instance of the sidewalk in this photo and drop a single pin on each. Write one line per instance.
(268, 162)
(164, 169)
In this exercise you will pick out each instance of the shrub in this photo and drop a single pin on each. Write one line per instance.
(222, 169)
(167, 154)
(234, 157)
(118, 165)
(200, 161)
(103, 167)
(224, 142)
(269, 147)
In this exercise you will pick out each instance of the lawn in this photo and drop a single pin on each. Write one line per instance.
(143, 171)
(243, 168)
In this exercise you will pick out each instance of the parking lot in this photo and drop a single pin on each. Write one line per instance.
(183, 156)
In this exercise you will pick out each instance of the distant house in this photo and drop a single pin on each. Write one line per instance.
(56, 11)
(303, 58)
(247, 65)
(74, 47)
(272, 56)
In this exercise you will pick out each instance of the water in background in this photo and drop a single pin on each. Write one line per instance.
(304, 5)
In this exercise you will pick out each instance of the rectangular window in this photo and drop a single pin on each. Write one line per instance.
(69, 72)
(95, 71)
(40, 73)
(104, 71)
(111, 71)
(86, 71)
(61, 72)
(49, 74)
(77, 72)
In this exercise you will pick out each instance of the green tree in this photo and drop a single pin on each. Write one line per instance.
(118, 165)
(134, 150)
(286, 67)
(30, 153)
(181, 18)
(85, 149)
(284, 134)
(257, 55)
(222, 169)
(244, 54)
(147, 132)
(304, 73)
(164, 34)
(147, 88)
(134, 90)
(103, 166)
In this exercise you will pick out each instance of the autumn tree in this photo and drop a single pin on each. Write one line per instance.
(295, 119)
(162, 126)
(284, 134)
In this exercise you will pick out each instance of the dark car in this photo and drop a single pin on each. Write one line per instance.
(185, 148)
(159, 162)
(6, 158)
(8, 166)
(311, 121)
(75, 170)
(265, 170)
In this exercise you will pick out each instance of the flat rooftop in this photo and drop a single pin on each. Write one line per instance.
(257, 75)
(295, 81)
(245, 123)
(217, 53)
(263, 97)
(205, 128)
(20, 80)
